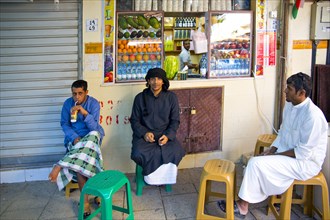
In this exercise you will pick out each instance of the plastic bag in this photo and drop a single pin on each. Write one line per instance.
(199, 41)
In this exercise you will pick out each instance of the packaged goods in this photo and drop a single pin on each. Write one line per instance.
(188, 5)
(164, 5)
(137, 5)
(194, 5)
(154, 5)
(169, 5)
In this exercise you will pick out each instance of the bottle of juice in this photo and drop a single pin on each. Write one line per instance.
(74, 114)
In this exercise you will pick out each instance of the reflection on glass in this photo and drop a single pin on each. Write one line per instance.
(230, 44)
(139, 44)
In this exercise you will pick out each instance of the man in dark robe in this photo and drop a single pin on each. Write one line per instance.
(155, 119)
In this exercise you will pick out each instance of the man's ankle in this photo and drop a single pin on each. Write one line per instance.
(243, 207)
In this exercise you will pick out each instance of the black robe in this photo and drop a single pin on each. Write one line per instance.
(159, 115)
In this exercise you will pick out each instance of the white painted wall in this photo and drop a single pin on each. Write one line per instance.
(300, 60)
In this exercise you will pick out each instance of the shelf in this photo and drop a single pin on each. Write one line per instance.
(179, 51)
(184, 28)
(168, 28)
(184, 14)
(181, 39)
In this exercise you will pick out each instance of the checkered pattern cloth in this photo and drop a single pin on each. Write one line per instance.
(84, 157)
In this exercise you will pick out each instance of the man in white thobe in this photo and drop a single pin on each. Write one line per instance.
(297, 153)
(185, 59)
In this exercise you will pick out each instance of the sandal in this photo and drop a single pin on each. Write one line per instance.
(97, 200)
(222, 206)
(87, 210)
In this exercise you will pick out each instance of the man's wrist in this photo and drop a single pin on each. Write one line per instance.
(273, 150)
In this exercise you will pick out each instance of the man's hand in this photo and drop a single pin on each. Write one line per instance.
(76, 140)
(80, 109)
(270, 151)
(149, 137)
(162, 140)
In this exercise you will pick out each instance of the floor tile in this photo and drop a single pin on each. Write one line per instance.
(149, 200)
(41, 200)
(155, 214)
(179, 189)
(22, 214)
(180, 206)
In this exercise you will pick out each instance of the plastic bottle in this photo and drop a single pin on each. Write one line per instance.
(139, 71)
(125, 72)
(144, 70)
(129, 71)
(119, 71)
(203, 65)
(133, 71)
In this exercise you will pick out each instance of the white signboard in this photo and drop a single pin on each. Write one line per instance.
(91, 25)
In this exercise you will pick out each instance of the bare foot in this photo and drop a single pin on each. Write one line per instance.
(54, 173)
(243, 207)
(87, 210)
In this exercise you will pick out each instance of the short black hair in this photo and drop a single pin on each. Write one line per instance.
(301, 81)
(80, 84)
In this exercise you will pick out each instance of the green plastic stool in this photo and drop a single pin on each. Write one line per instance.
(140, 181)
(104, 185)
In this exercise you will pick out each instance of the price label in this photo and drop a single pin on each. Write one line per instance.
(91, 25)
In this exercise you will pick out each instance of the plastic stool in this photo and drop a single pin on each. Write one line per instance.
(69, 186)
(104, 185)
(220, 171)
(264, 140)
(140, 181)
(307, 201)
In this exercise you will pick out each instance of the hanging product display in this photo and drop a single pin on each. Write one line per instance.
(230, 44)
(108, 41)
(139, 44)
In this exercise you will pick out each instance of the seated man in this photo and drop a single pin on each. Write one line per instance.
(82, 140)
(297, 153)
(155, 119)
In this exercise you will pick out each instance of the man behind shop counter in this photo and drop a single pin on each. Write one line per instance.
(185, 59)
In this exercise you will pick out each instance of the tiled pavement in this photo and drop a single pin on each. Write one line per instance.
(42, 200)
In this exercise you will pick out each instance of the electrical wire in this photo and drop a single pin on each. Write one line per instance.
(263, 116)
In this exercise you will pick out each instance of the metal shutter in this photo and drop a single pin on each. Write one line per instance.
(39, 60)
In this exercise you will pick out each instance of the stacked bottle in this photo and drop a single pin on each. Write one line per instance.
(185, 22)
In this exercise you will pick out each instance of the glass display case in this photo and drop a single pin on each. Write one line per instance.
(230, 44)
(139, 44)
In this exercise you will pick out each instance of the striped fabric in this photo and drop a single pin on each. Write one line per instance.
(84, 157)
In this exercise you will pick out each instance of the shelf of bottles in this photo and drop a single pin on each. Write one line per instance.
(139, 44)
(183, 26)
(230, 44)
